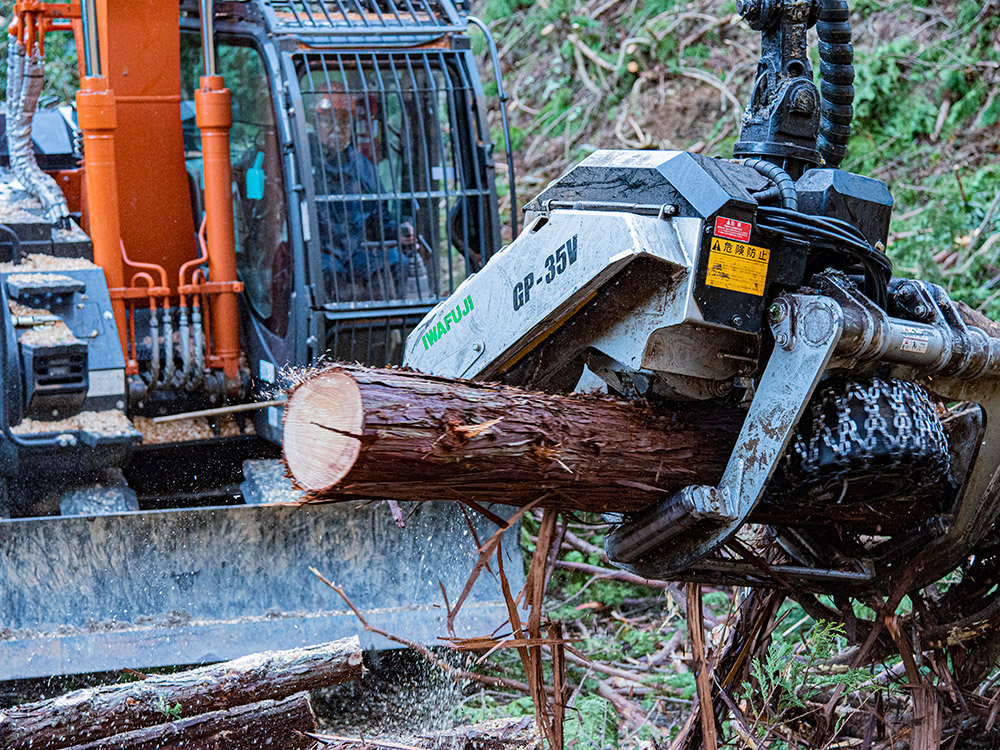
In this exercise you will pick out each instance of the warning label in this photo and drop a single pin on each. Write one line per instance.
(732, 229)
(914, 340)
(737, 266)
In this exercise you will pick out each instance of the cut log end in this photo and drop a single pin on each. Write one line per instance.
(323, 424)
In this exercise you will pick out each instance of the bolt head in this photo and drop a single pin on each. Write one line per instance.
(803, 101)
(737, 321)
(781, 339)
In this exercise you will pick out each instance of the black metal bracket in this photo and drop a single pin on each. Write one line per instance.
(781, 123)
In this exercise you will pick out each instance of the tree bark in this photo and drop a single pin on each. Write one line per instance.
(354, 432)
(256, 726)
(86, 715)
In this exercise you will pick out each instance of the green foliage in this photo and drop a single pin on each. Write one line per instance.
(591, 723)
(949, 222)
(62, 78)
(792, 673)
(717, 602)
(683, 683)
(917, 100)
(173, 713)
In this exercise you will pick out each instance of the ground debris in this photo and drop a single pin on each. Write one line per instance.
(518, 733)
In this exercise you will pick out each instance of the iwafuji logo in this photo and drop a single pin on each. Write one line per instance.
(443, 326)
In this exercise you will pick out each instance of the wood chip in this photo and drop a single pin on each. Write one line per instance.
(186, 430)
(43, 262)
(55, 334)
(111, 422)
(19, 212)
(33, 279)
(21, 311)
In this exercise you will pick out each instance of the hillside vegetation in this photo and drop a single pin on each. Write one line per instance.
(666, 74)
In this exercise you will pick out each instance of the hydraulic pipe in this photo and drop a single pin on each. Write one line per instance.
(91, 51)
(168, 344)
(208, 37)
(497, 74)
(95, 105)
(214, 114)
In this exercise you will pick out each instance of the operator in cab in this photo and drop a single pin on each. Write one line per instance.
(360, 236)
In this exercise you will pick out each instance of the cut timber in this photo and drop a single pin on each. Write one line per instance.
(517, 733)
(87, 715)
(267, 724)
(351, 431)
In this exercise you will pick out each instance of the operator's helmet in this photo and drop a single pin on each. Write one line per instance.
(333, 97)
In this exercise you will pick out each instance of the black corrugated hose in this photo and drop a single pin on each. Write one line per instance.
(831, 241)
(784, 185)
(837, 80)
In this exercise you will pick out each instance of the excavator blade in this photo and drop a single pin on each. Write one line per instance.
(143, 589)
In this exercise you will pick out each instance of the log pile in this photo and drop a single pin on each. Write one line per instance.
(484, 443)
(255, 701)
(251, 703)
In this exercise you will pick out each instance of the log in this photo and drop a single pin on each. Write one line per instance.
(87, 715)
(517, 733)
(352, 432)
(495, 734)
(255, 726)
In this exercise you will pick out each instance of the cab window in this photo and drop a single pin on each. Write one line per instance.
(400, 197)
(263, 256)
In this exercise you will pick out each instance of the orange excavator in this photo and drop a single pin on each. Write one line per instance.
(239, 189)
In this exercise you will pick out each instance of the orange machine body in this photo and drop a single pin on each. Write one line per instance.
(140, 57)
(137, 201)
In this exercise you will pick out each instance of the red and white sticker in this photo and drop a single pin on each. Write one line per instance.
(732, 229)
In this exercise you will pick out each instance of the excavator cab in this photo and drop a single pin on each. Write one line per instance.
(224, 236)
(396, 149)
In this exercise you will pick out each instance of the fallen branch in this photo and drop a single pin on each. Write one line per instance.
(434, 659)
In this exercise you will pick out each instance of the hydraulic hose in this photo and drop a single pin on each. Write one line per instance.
(25, 76)
(784, 185)
(836, 80)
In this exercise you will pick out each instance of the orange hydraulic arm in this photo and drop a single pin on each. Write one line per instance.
(95, 105)
(214, 112)
(139, 209)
